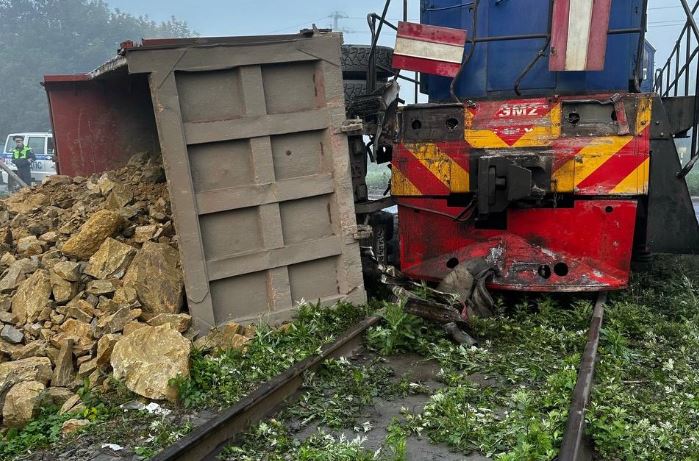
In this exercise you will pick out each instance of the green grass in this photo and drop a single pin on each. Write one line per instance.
(45, 430)
(215, 381)
(645, 405)
(272, 441)
(334, 398)
(222, 379)
(508, 398)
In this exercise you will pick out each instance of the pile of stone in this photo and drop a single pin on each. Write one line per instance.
(90, 284)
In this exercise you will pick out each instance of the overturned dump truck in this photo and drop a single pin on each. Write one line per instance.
(538, 164)
(256, 163)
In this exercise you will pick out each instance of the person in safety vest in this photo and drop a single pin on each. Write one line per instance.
(22, 157)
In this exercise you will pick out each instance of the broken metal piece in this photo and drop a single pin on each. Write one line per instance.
(467, 282)
(458, 335)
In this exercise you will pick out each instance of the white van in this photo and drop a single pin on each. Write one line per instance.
(43, 149)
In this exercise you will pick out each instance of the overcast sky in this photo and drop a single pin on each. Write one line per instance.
(254, 17)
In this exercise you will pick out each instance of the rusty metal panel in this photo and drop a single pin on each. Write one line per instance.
(98, 124)
(258, 172)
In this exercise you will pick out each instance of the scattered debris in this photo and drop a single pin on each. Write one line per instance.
(112, 446)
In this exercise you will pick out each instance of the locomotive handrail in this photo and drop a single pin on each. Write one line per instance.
(668, 78)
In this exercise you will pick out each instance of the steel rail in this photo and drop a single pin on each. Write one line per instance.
(204, 441)
(572, 444)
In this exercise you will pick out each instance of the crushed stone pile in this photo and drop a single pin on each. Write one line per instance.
(91, 283)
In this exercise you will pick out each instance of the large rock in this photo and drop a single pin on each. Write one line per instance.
(67, 270)
(76, 329)
(31, 369)
(132, 326)
(100, 287)
(38, 348)
(64, 374)
(149, 358)
(119, 197)
(111, 260)
(227, 336)
(15, 274)
(79, 332)
(63, 290)
(30, 246)
(156, 278)
(22, 403)
(8, 349)
(144, 233)
(11, 334)
(73, 425)
(179, 322)
(24, 202)
(57, 396)
(96, 230)
(32, 296)
(115, 322)
(80, 309)
(105, 346)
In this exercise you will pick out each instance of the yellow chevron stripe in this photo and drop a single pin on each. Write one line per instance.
(643, 114)
(636, 182)
(596, 153)
(590, 157)
(563, 179)
(480, 139)
(442, 166)
(400, 185)
(484, 139)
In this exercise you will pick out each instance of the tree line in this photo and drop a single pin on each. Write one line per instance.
(39, 37)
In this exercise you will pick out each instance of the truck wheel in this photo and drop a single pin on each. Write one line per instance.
(355, 61)
(355, 65)
(382, 226)
(353, 89)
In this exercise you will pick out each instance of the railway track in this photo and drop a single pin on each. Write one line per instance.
(574, 447)
(205, 442)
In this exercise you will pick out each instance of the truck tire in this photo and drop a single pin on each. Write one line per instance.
(382, 224)
(355, 61)
(353, 89)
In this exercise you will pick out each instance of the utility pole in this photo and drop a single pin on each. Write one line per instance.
(336, 16)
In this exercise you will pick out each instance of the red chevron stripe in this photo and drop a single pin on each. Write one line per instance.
(613, 171)
(418, 174)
